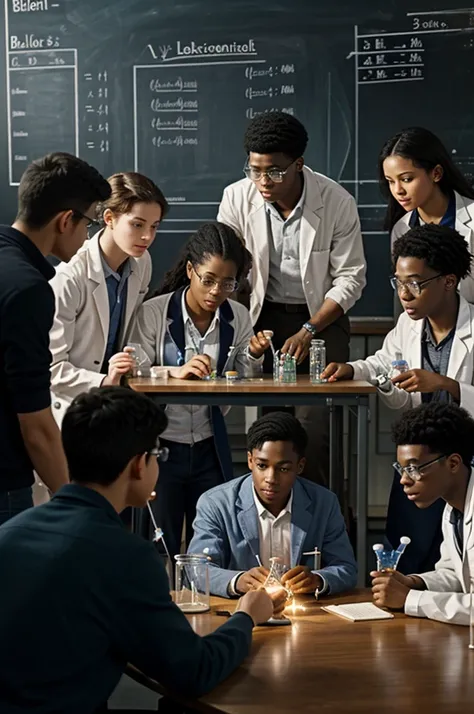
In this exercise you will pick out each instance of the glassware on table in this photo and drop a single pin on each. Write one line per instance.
(317, 360)
(192, 583)
(284, 368)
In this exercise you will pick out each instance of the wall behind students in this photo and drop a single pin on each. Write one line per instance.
(167, 89)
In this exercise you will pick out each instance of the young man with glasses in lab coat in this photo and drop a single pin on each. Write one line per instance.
(435, 448)
(303, 231)
(435, 336)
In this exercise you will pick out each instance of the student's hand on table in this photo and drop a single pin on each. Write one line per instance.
(391, 588)
(258, 344)
(120, 364)
(298, 345)
(420, 380)
(198, 366)
(336, 371)
(251, 580)
(258, 604)
(301, 580)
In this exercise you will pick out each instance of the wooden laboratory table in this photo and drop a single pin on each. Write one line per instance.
(325, 664)
(264, 392)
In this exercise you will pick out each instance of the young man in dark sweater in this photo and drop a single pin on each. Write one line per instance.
(105, 590)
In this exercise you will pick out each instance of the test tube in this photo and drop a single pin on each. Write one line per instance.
(378, 550)
(317, 557)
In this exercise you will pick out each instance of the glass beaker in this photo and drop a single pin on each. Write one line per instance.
(142, 361)
(284, 368)
(192, 583)
(317, 361)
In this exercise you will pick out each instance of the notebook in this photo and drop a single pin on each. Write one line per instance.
(359, 611)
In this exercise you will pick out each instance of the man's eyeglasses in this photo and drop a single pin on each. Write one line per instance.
(414, 287)
(162, 453)
(275, 175)
(414, 472)
(227, 286)
(91, 222)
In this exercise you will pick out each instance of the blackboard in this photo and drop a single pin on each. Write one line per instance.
(166, 87)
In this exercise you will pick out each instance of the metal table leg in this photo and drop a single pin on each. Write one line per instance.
(362, 488)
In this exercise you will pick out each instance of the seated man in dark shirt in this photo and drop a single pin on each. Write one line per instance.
(105, 590)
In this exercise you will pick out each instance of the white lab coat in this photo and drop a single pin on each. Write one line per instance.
(447, 597)
(78, 338)
(464, 225)
(405, 342)
(332, 257)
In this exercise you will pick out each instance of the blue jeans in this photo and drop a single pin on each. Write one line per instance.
(14, 502)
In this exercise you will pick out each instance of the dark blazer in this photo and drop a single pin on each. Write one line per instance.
(81, 597)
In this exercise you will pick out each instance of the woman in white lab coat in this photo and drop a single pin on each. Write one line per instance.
(422, 184)
(100, 290)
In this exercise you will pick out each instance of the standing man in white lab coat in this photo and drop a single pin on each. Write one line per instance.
(435, 448)
(309, 268)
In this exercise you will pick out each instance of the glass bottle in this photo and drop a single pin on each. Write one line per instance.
(317, 360)
(399, 366)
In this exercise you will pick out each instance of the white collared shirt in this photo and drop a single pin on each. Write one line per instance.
(285, 282)
(274, 535)
(188, 424)
(274, 532)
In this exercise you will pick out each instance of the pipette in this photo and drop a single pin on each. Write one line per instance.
(158, 532)
(269, 334)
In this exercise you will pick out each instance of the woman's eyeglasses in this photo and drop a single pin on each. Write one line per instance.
(227, 286)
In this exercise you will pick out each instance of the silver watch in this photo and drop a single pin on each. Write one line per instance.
(310, 328)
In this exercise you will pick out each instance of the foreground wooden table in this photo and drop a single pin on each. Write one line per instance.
(264, 392)
(325, 664)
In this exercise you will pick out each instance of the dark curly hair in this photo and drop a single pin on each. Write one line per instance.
(443, 428)
(209, 240)
(443, 249)
(277, 426)
(276, 132)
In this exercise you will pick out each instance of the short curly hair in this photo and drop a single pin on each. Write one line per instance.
(442, 248)
(276, 132)
(278, 426)
(443, 428)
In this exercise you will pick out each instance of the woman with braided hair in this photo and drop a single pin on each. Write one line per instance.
(194, 331)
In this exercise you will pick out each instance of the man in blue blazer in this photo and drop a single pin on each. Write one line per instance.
(273, 512)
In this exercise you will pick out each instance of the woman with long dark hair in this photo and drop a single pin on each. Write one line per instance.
(422, 184)
(192, 329)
